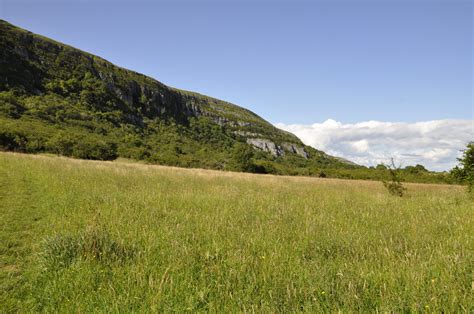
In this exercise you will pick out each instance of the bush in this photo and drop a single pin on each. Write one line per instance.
(242, 158)
(95, 149)
(12, 141)
(464, 172)
(82, 146)
(61, 144)
(394, 186)
(415, 169)
(10, 105)
(263, 167)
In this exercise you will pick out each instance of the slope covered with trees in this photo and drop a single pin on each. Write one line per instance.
(55, 98)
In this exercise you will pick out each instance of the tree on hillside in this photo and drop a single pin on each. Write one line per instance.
(415, 169)
(243, 155)
(464, 172)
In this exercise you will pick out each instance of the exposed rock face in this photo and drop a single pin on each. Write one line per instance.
(154, 99)
(274, 149)
(295, 149)
(266, 145)
(246, 134)
(223, 121)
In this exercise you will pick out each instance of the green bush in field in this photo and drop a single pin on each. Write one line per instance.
(394, 186)
(243, 157)
(464, 172)
(85, 148)
(95, 149)
(9, 140)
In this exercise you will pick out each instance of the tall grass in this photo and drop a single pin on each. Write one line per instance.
(82, 236)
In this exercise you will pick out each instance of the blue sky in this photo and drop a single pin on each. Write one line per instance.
(289, 61)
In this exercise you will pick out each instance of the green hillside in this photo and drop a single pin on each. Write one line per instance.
(55, 98)
(93, 236)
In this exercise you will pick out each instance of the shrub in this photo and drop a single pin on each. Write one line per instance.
(95, 149)
(61, 144)
(10, 140)
(464, 172)
(242, 158)
(82, 146)
(10, 105)
(264, 167)
(394, 186)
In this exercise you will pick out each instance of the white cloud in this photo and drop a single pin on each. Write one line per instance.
(434, 144)
(361, 146)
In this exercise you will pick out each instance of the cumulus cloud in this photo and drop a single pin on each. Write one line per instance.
(434, 144)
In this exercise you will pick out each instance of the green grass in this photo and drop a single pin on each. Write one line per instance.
(88, 236)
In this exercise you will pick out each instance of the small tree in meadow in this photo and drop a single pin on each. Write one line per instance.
(394, 185)
(464, 172)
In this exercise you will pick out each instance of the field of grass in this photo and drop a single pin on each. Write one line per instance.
(84, 236)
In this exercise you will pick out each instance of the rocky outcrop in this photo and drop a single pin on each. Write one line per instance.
(274, 149)
(246, 134)
(266, 145)
(293, 148)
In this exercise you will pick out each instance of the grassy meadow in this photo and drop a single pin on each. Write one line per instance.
(90, 236)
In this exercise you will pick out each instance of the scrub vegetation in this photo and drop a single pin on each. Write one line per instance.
(100, 236)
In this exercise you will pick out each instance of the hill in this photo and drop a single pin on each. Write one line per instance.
(94, 236)
(56, 98)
